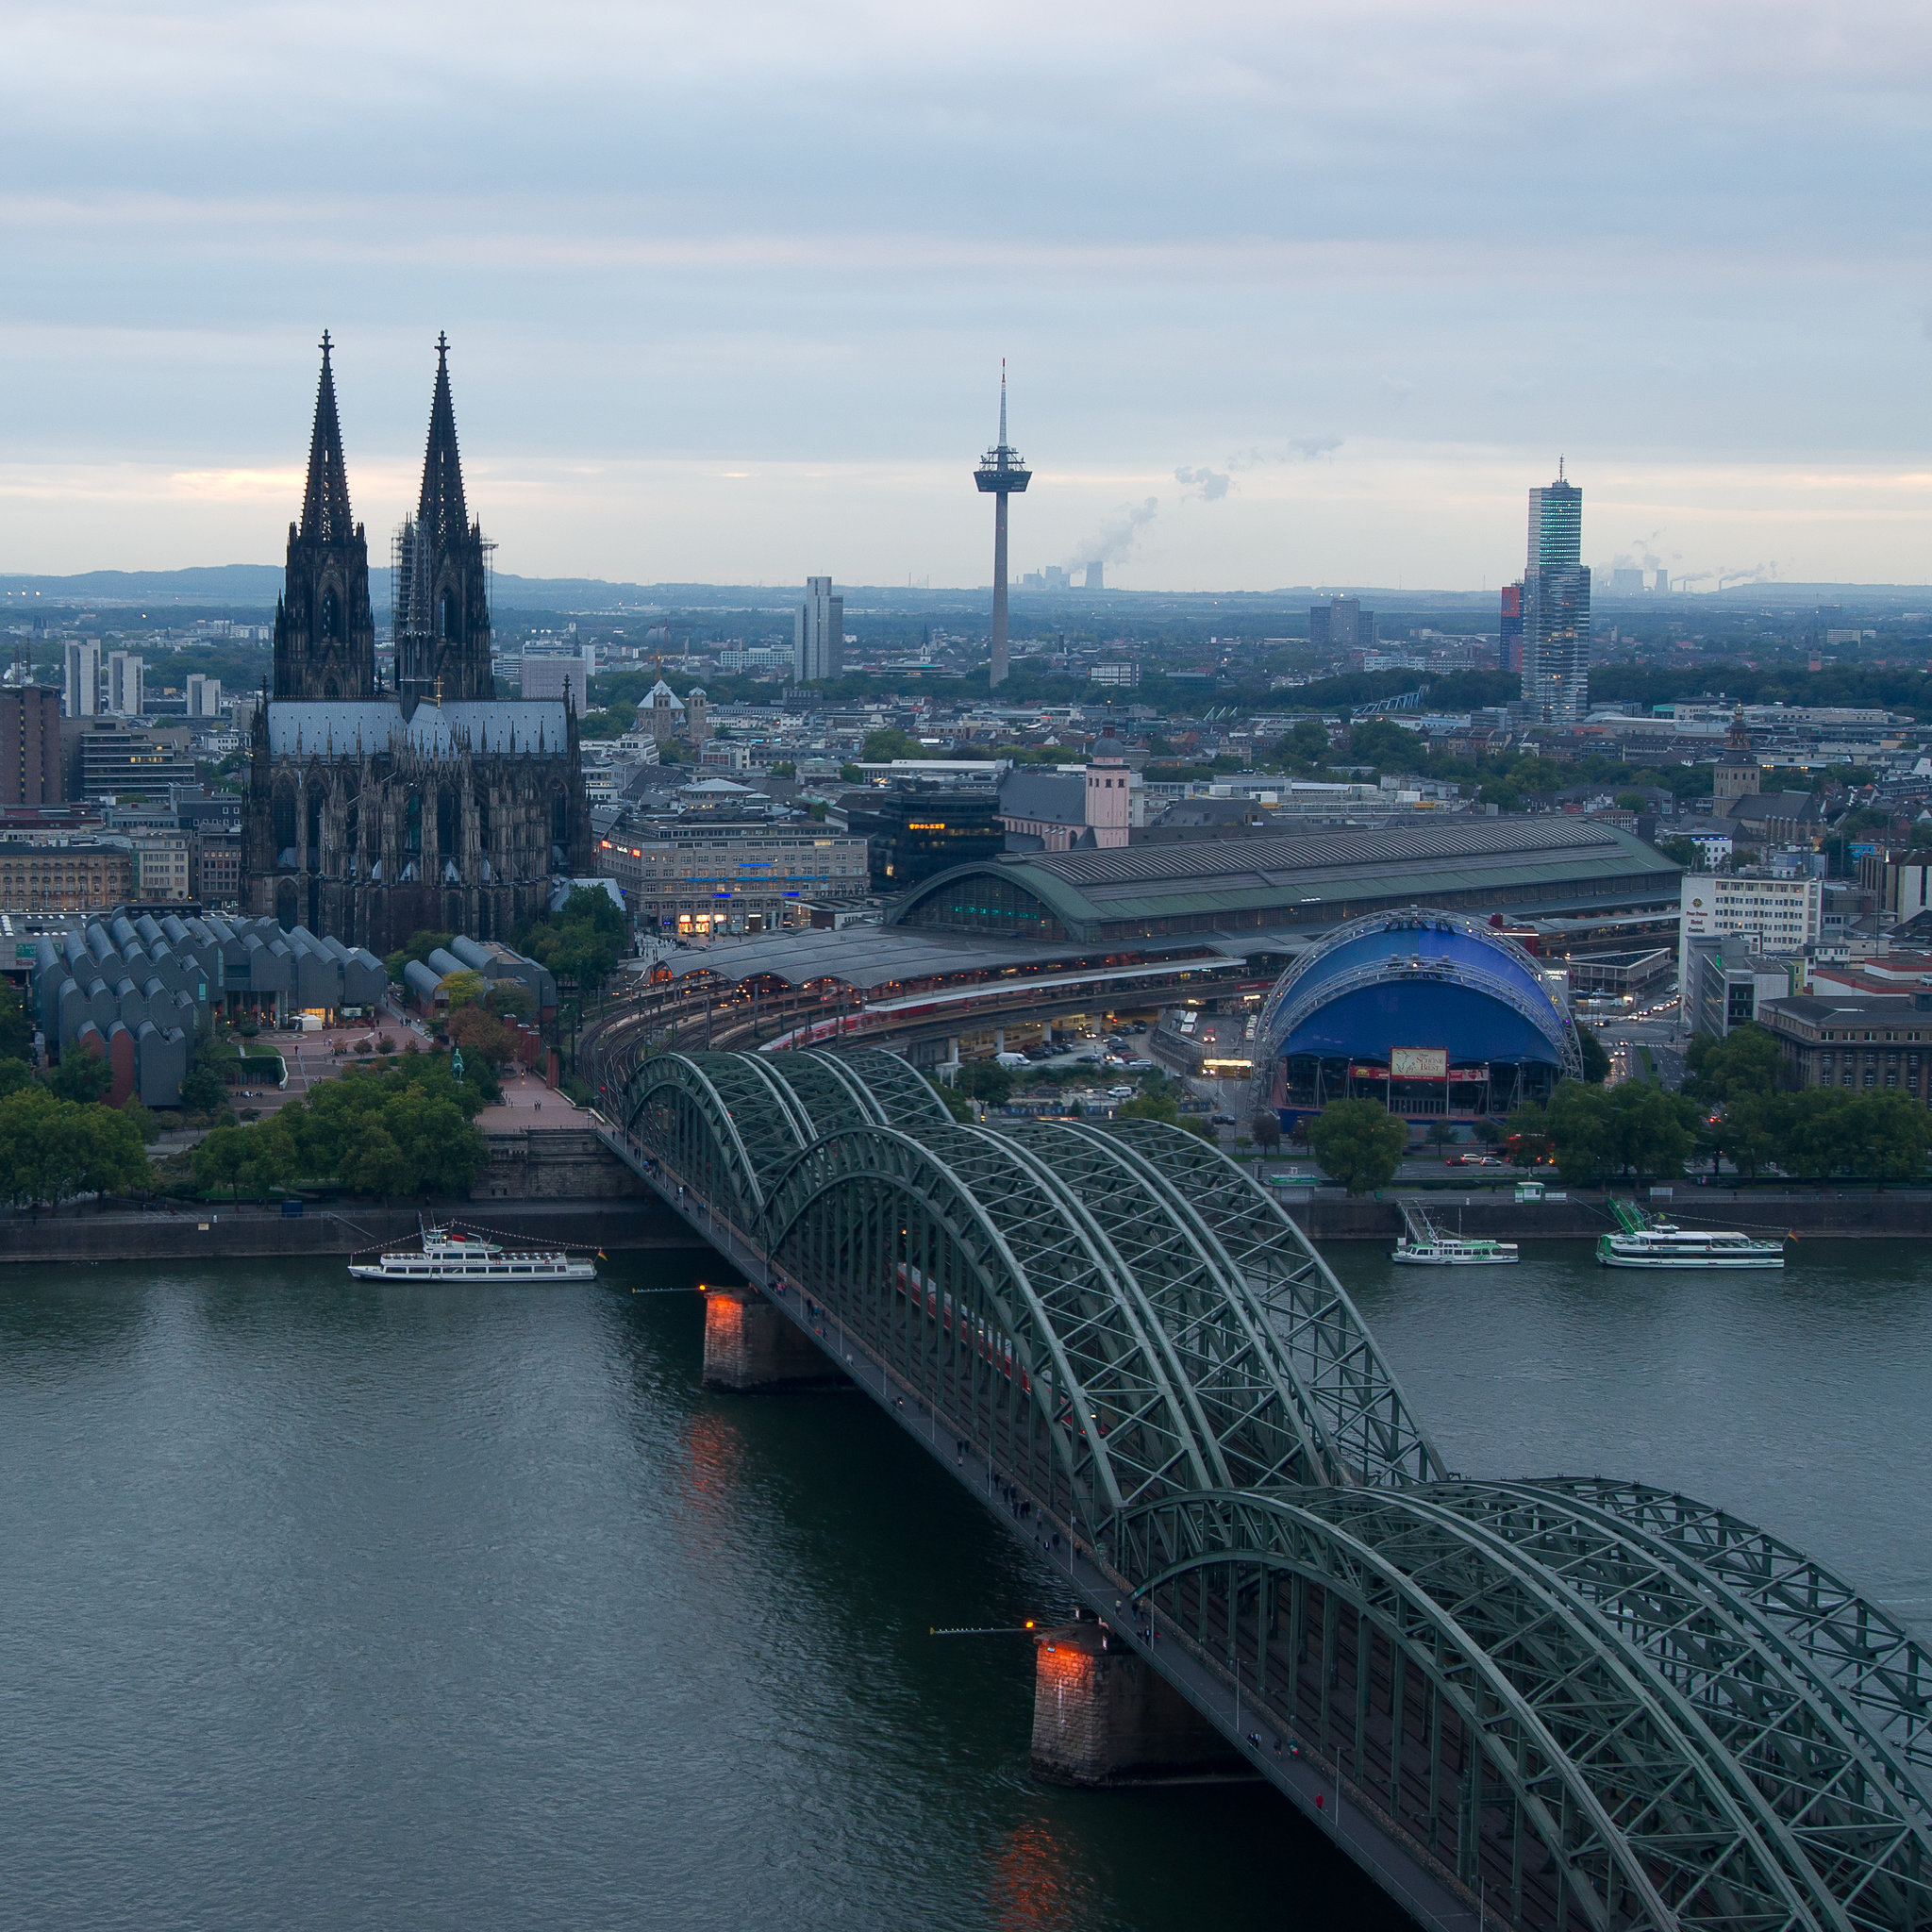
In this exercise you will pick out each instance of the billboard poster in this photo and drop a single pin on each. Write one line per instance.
(1419, 1063)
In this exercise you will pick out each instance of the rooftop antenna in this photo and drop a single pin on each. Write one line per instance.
(1559, 469)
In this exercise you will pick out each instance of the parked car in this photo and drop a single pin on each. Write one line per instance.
(1222, 1120)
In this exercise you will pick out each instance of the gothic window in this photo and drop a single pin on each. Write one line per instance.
(285, 824)
(450, 625)
(331, 615)
(560, 820)
(446, 823)
(314, 829)
(413, 834)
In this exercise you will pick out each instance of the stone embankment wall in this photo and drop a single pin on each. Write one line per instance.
(553, 1164)
(202, 1234)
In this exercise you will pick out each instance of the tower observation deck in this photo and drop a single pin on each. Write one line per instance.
(1001, 472)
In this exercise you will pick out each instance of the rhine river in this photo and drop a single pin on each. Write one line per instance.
(339, 1606)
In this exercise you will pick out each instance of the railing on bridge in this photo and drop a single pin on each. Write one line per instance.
(1551, 1705)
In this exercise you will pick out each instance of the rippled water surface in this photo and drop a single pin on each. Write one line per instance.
(333, 1605)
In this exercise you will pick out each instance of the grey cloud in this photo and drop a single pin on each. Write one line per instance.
(1212, 484)
(1309, 447)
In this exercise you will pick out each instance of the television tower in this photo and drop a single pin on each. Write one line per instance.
(1001, 472)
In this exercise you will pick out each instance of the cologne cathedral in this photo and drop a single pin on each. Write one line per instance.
(376, 812)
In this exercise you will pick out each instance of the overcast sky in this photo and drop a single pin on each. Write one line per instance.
(1287, 294)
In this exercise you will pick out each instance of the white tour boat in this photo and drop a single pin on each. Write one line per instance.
(1425, 1245)
(1642, 1242)
(450, 1257)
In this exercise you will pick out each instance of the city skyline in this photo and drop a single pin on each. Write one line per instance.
(1259, 333)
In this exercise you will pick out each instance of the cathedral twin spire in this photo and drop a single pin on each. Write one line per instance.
(325, 626)
(325, 502)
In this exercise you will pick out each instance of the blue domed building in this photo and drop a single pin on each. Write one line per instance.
(1430, 1012)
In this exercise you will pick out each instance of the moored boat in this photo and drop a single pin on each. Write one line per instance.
(450, 1256)
(1425, 1245)
(1642, 1241)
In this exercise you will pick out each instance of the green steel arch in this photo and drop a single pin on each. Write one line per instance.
(1576, 1702)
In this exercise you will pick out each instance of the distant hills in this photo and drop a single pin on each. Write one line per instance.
(253, 588)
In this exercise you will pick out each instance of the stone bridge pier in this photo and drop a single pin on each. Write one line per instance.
(750, 1345)
(1104, 1716)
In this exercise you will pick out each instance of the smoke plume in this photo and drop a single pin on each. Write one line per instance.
(1116, 538)
(1212, 484)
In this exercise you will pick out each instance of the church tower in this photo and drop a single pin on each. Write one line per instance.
(442, 584)
(324, 630)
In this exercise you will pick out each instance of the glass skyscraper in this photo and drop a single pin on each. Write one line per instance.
(1556, 609)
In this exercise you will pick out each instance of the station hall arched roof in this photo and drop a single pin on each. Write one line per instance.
(1554, 862)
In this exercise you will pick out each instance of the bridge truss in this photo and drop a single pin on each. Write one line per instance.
(1555, 1703)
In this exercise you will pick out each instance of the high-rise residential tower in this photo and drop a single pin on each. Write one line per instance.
(127, 684)
(83, 686)
(818, 634)
(1556, 607)
(1002, 471)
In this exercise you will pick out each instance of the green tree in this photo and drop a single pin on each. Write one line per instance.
(1635, 1128)
(16, 1030)
(507, 1000)
(26, 1122)
(881, 746)
(80, 1075)
(110, 1155)
(1596, 1062)
(462, 989)
(14, 1075)
(986, 1080)
(1266, 1129)
(1745, 1060)
(218, 1160)
(1150, 1107)
(583, 940)
(1306, 744)
(1360, 1143)
(1680, 851)
(203, 1090)
(851, 775)
(377, 1166)
(1752, 1131)
(956, 1103)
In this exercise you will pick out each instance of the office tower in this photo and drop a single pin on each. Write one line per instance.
(30, 745)
(204, 696)
(1510, 656)
(1343, 623)
(83, 689)
(1002, 471)
(124, 682)
(1556, 607)
(818, 633)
